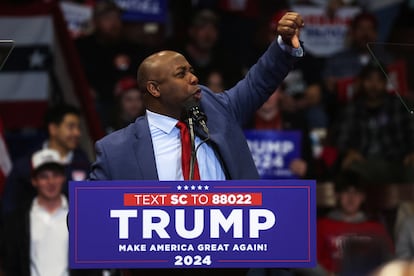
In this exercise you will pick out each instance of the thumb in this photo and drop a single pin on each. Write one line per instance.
(295, 40)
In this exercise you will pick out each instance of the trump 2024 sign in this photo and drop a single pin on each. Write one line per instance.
(273, 151)
(189, 224)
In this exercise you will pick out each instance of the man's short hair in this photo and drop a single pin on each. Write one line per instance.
(55, 114)
(204, 17)
(103, 7)
(348, 179)
(372, 67)
(364, 16)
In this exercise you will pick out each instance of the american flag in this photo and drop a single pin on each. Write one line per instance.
(43, 69)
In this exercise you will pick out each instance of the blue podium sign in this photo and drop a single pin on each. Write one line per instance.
(189, 224)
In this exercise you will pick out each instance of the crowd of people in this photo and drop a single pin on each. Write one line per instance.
(361, 140)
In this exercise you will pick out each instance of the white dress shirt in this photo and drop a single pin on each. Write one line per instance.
(49, 240)
(167, 150)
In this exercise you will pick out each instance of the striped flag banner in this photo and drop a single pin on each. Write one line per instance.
(5, 161)
(43, 67)
(25, 80)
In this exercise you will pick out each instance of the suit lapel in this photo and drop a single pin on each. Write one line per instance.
(143, 149)
(220, 146)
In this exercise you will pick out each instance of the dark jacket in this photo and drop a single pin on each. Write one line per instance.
(15, 245)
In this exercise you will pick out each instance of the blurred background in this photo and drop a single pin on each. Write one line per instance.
(350, 97)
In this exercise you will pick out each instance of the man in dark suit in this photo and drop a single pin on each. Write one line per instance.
(167, 80)
(150, 148)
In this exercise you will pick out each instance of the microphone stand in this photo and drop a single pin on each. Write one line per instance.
(193, 152)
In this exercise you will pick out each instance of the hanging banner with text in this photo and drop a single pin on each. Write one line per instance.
(325, 34)
(273, 151)
(143, 10)
(204, 224)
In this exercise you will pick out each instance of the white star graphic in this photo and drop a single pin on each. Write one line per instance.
(179, 187)
(206, 187)
(185, 187)
(193, 187)
(37, 59)
(200, 187)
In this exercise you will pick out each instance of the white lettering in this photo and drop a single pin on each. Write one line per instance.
(123, 216)
(271, 147)
(254, 222)
(250, 247)
(178, 199)
(171, 247)
(235, 219)
(149, 225)
(213, 247)
(132, 247)
(157, 220)
(198, 224)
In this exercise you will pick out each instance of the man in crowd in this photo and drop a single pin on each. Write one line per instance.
(348, 63)
(35, 238)
(63, 127)
(375, 134)
(107, 56)
(203, 51)
(348, 241)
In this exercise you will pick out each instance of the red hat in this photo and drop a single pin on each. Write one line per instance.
(125, 84)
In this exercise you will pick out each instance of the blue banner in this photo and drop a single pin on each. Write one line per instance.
(273, 151)
(204, 224)
(143, 10)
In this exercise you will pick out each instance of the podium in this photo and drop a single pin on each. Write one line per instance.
(192, 224)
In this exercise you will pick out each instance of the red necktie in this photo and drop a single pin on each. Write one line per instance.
(186, 152)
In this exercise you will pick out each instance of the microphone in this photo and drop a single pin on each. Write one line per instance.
(193, 111)
(194, 114)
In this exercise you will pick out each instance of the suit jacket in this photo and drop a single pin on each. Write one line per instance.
(128, 154)
(15, 243)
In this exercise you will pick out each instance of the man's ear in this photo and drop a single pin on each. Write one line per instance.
(34, 181)
(52, 128)
(153, 88)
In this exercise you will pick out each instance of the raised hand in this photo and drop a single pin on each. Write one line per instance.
(289, 28)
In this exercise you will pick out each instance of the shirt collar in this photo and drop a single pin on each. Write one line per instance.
(162, 122)
(67, 159)
(64, 204)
